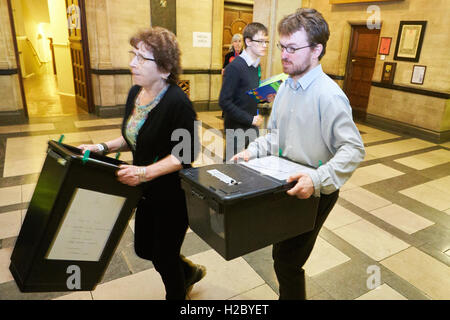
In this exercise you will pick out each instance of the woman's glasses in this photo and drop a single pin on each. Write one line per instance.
(140, 58)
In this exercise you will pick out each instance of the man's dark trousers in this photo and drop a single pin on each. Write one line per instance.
(291, 255)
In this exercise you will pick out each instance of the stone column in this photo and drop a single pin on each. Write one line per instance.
(108, 46)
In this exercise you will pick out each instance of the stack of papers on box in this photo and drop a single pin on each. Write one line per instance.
(276, 167)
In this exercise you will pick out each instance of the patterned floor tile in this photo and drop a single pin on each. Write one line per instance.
(263, 292)
(10, 195)
(394, 148)
(383, 292)
(323, 258)
(27, 191)
(429, 195)
(364, 199)
(422, 271)
(10, 223)
(377, 136)
(145, 285)
(371, 240)
(426, 160)
(224, 279)
(402, 218)
(5, 274)
(339, 217)
(82, 295)
(373, 173)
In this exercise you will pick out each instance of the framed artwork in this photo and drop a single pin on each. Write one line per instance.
(385, 45)
(409, 40)
(418, 74)
(388, 72)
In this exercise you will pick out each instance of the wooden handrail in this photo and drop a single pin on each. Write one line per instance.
(34, 51)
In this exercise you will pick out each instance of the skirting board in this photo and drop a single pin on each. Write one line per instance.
(66, 94)
(119, 111)
(12, 117)
(401, 127)
(206, 105)
(110, 112)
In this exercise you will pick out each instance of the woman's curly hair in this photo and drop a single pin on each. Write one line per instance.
(164, 46)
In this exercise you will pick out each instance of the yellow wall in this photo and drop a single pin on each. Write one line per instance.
(63, 61)
(416, 110)
(194, 16)
(201, 16)
(32, 20)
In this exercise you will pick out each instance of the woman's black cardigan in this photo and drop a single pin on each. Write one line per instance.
(154, 141)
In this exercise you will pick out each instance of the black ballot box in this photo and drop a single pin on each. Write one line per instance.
(237, 209)
(74, 222)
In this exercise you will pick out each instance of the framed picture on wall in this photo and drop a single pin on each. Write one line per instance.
(385, 45)
(409, 40)
(418, 74)
(388, 72)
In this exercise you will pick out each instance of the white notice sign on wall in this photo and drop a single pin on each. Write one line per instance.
(88, 222)
(202, 39)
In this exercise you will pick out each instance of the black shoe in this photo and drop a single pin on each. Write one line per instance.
(199, 272)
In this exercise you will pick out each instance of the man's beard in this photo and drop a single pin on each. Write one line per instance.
(298, 70)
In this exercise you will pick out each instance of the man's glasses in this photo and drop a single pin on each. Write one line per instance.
(291, 49)
(261, 42)
(140, 58)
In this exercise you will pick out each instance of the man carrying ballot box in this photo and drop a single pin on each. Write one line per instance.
(311, 123)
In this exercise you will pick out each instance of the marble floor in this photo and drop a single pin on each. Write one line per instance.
(43, 97)
(387, 238)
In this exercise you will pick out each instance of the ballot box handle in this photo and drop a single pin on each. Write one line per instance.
(58, 151)
(198, 194)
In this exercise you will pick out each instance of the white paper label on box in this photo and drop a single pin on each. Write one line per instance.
(202, 39)
(86, 226)
(223, 177)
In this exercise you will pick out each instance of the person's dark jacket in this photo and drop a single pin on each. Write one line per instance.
(229, 56)
(239, 107)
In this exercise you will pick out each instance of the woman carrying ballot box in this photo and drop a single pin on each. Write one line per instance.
(155, 108)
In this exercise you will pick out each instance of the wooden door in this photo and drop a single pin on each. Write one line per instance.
(79, 54)
(360, 66)
(235, 19)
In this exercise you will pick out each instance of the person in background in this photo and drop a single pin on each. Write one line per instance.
(240, 76)
(155, 107)
(314, 124)
(235, 50)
